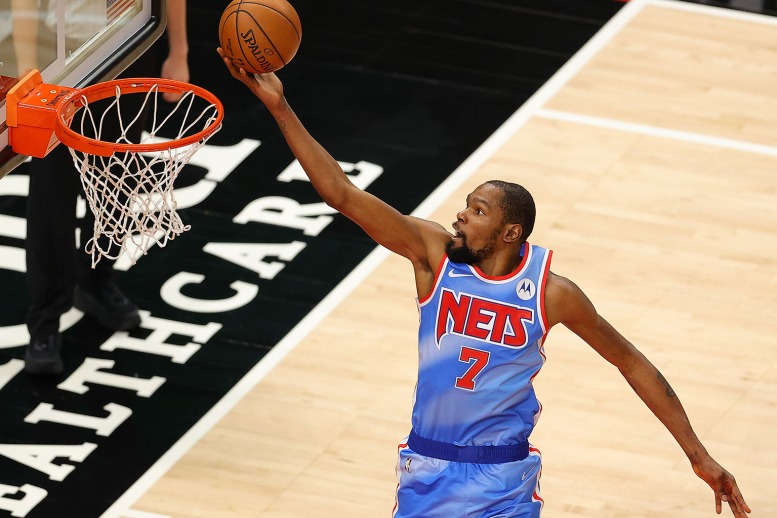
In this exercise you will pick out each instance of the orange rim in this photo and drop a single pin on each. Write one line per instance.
(72, 103)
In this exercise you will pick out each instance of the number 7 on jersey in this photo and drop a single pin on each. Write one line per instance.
(478, 360)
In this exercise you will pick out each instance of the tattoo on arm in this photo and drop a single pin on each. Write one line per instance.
(282, 125)
(669, 391)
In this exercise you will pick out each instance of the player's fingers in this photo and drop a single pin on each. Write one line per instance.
(237, 73)
(738, 504)
(718, 504)
(228, 62)
(741, 499)
(252, 81)
(737, 511)
(733, 496)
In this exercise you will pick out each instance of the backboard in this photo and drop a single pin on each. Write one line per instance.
(73, 43)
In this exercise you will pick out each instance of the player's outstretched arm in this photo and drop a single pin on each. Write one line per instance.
(567, 304)
(420, 241)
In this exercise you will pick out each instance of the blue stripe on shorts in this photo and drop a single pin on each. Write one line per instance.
(435, 488)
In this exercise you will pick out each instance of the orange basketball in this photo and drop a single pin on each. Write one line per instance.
(260, 36)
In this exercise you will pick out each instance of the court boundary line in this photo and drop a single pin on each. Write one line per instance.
(123, 504)
(142, 514)
(657, 131)
(721, 12)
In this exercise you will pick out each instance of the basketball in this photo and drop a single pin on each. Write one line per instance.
(260, 36)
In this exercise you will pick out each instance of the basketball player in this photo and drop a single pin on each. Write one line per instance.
(487, 299)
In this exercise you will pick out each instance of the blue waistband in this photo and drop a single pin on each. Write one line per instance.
(473, 454)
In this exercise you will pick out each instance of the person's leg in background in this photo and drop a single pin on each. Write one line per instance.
(96, 292)
(59, 275)
(50, 256)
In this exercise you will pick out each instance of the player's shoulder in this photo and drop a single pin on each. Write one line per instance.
(564, 300)
(435, 239)
(428, 225)
(433, 234)
(558, 282)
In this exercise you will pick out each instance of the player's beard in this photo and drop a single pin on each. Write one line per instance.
(465, 254)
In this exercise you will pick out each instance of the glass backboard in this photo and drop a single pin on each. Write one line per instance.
(72, 42)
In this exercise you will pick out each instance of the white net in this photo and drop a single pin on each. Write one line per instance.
(131, 193)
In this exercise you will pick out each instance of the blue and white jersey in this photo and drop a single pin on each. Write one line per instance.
(480, 344)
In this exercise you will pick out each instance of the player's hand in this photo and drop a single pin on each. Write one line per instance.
(177, 68)
(723, 484)
(267, 87)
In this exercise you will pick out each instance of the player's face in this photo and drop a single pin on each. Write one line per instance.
(477, 227)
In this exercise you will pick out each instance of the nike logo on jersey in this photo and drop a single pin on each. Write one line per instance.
(453, 274)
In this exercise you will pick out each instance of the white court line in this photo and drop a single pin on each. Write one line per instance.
(716, 11)
(142, 514)
(655, 131)
(373, 260)
(530, 108)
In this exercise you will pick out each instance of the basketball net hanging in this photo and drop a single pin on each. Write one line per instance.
(128, 185)
(130, 192)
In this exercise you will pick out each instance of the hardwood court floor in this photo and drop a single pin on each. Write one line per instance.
(652, 162)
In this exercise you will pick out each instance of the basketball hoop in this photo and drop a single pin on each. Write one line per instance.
(128, 185)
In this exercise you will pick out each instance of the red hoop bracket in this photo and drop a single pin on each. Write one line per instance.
(31, 114)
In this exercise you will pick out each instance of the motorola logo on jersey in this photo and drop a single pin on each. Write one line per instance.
(482, 319)
(525, 289)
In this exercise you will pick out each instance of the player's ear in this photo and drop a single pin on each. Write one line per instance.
(512, 232)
